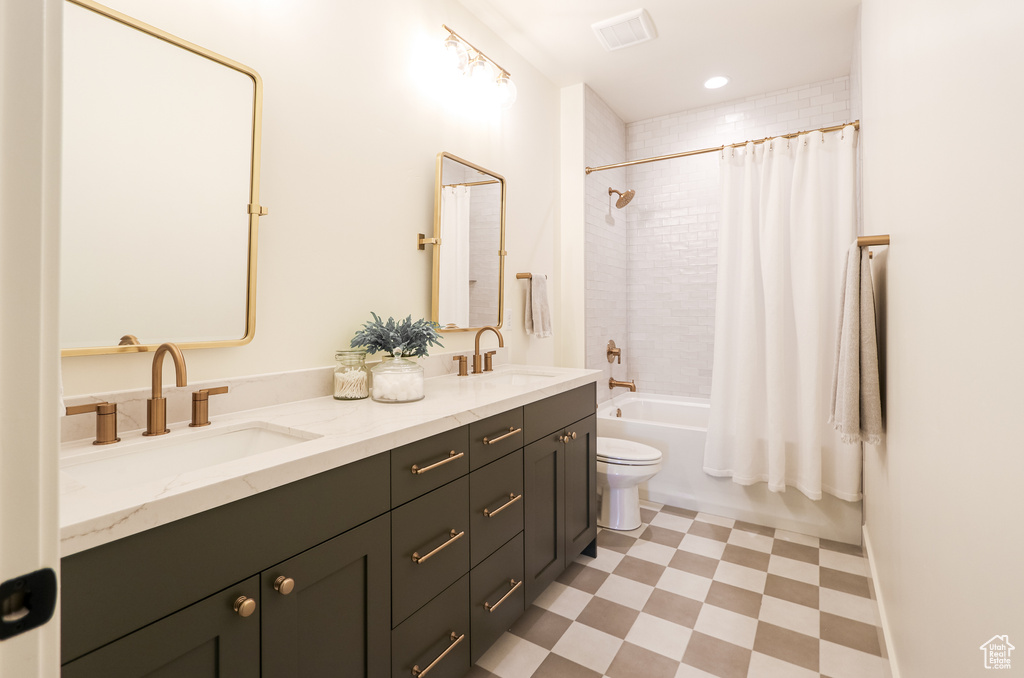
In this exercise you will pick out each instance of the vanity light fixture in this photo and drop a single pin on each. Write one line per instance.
(716, 82)
(480, 68)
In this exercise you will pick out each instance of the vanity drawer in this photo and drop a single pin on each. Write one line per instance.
(553, 414)
(428, 528)
(437, 636)
(497, 489)
(418, 468)
(494, 437)
(496, 595)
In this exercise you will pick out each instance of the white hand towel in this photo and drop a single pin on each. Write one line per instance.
(538, 312)
(856, 398)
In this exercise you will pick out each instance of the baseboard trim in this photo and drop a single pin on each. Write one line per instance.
(886, 631)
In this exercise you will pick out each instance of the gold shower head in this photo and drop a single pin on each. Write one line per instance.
(624, 198)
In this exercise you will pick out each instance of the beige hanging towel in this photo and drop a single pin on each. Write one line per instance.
(856, 398)
(538, 311)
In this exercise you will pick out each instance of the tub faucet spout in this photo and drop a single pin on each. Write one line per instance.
(156, 406)
(631, 384)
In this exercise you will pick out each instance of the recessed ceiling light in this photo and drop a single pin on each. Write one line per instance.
(716, 82)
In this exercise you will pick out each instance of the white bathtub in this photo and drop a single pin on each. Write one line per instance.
(678, 427)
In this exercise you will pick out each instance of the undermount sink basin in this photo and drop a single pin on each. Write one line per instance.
(518, 376)
(178, 452)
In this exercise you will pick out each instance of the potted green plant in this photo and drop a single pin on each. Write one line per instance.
(397, 380)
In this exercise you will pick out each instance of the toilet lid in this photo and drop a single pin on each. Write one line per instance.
(626, 452)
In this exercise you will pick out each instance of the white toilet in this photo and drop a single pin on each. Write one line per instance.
(621, 466)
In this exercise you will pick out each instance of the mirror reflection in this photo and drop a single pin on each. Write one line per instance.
(160, 172)
(469, 221)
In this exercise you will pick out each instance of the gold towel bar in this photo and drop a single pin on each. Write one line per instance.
(870, 240)
(525, 276)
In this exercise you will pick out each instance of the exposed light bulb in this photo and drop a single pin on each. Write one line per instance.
(456, 53)
(716, 82)
(480, 70)
(506, 90)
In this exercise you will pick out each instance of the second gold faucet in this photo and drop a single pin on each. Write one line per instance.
(156, 406)
(480, 366)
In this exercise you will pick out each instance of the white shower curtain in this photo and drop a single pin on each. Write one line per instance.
(453, 281)
(788, 216)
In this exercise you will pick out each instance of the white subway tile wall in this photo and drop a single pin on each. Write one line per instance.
(671, 228)
(484, 243)
(606, 257)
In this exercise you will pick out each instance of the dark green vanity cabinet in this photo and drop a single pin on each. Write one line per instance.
(413, 558)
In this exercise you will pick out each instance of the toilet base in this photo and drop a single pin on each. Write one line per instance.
(624, 504)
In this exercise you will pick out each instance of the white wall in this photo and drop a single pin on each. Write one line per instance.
(673, 225)
(346, 87)
(942, 176)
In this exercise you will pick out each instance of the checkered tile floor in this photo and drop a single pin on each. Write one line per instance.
(690, 594)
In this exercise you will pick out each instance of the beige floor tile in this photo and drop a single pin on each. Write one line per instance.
(659, 635)
(626, 592)
(655, 553)
(512, 657)
(673, 607)
(643, 571)
(845, 563)
(633, 661)
(709, 530)
(717, 657)
(616, 541)
(672, 522)
(685, 584)
(850, 549)
(563, 600)
(802, 552)
(797, 538)
(787, 645)
(584, 578)
(844, 581)
(697, 564)
(679, 511)
(540, 627)
(733, 598)
(744, 577)
(792, 616)
(765, 666)
(610, 617)
(751, 540)
(726, 625)
(715, 520)
(756, 529)
(702, 546)
(793, 569)
(739, 555)
(662, 535)
(850, 633)
(588, 647)
(653, 505)
(850, 606)
(791, 590)
(556, 666)
(606, 560)
(842, 662)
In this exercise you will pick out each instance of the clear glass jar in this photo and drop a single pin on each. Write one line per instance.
(397, 380)
(351, 377)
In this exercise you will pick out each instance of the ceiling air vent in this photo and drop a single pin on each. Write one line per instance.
(625, 30)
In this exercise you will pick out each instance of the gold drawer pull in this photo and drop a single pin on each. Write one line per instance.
(514, 585)
(512, 430)
(416, 672)
(417, 558)
(416, 470)
(512, 498)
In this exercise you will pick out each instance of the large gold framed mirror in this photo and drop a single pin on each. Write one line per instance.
(469, 250)
(161, 173)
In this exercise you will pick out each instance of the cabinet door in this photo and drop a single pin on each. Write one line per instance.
(205, 640)
(580, 486)
(335, 618)
(544, 507)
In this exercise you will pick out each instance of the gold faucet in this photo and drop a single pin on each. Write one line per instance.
(156, 407)
(478, 367)
(631, 385)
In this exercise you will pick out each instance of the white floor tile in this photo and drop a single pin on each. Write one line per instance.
(564, 600)
(763, 666)
(792, 616)
(625, 591)
(703, 546)
(686, 584)
(727, 625)
(607, 560)
(652, 552)
(658, 635)
(849, 606)
(844, 562)
(749, 540)
(794, 569)
(715, 520)
(512, 657)
(588, 647)
(796, 538)
(838, 661)
(653, 505)
(671, 522)
(743, 577)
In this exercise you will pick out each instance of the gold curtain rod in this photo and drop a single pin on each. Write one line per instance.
(475, 183)
(716, 149)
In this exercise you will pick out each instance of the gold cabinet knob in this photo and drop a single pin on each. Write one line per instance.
(244, 606)
(284, 585)
(563, 439)
(573, 435)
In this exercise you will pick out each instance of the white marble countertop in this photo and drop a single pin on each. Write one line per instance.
(92, 514)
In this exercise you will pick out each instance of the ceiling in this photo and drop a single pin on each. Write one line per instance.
(761, 45)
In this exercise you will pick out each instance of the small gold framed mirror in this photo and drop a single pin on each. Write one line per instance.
(469, 250)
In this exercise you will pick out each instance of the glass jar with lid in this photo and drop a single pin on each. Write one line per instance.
(397, 380)
(351, 377)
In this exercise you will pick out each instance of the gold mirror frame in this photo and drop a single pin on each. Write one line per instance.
(255, 210)
(434, 297)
